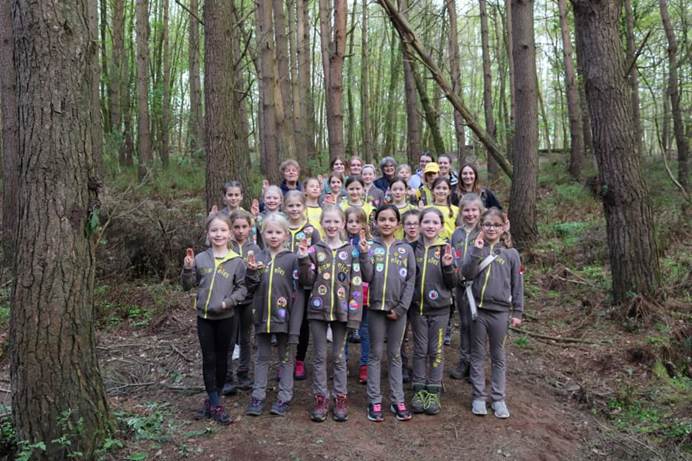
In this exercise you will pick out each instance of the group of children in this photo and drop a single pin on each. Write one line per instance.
(315, 263)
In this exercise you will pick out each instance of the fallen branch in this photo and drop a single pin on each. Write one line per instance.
(125, 386)
(553, 338)
(190, 389)
(179, 352)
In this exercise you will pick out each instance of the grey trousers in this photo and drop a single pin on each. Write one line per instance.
(428, 352)
(490, 325)
(318, 331)
(405, 355)
(464, 329)
(241, 334)
(262, 361)
(379, 327)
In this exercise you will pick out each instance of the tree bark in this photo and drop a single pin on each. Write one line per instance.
(390, 119)
(333, 53)
(456, 78)
(221, 112)
(413, 125)
(487, 88)
(54, 368)
(306, 77)
(366, 129)
(298, 113)
(633, 77)
(270, 129)
(143, 130)
(106, 83)
(196, 121)
(350, 76)
(117, 77)
(674, 95)
(509, 44)
(629, 220)
(522, 210)
(430, 114)
(166, 91)
(9, 121)
(576, 131)
(284, 122)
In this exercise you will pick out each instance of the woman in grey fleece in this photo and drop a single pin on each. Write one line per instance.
(498, 291)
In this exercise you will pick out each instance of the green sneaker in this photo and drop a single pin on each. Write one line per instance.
(420, 397)
(432, 404)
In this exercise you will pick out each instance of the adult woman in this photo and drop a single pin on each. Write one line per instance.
(388, 167)
(337, 167)
(468, 182)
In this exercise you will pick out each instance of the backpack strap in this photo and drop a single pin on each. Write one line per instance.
(469, 293)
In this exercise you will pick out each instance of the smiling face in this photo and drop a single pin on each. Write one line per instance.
(493, 227)
(339, 166)
(430, 225)
(233, 197)
(272, 200)
(274, 236)
(355, 192)
(368, 175)
(429, 178)
(424, 159)
(440, 193)
(332, 223)
(355, 167)
(219, 234)
(470, 214)
(291, 174)
(387, 223)
(294, 209)
(445, 165)
(388, 169)
(335, 185)
(241, 230)
(468, 178)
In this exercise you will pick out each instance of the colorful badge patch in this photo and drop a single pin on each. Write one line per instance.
(295, 274)
(343, 256)
(403, 272)
(321, 257)
(316, 303)
(326, 275)
(433, 295)
(379, 267)
(343, 305)
(402, 251)
(379, 251)
(356, 281)
(341, 277)
(281, 313)
(281, 302)
(300, 236)
(356, 294)
(322, 290)
(355, 253)
(356, 267)
(341, 292)
(354, 305)
(311, 250)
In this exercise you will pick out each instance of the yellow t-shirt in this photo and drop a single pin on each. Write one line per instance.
(450, 223)
(313, 215)
(399, 233)
(366, 206)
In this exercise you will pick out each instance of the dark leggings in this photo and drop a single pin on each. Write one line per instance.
(304, 339)
(214, 339)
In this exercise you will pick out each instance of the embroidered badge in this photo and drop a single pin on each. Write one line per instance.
(322, 290)
(402, 251)
(341, 292)
(356, 280)
(343, 256)
(281, 313)
(300, 236)
(353, 305)
(341, 277)
(433, 295)
(316, 303)
(321, 257)
(379, 267)
(281, 302)
(326, 275)
(356, 267)
(403, 272)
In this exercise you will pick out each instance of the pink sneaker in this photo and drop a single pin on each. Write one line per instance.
(299, 373)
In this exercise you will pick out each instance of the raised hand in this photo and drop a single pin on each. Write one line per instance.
(252, 261)
(189, 261)
(363, 243)
(480, 240)
(303, 248)
(329, 199)
(254, 208)
(447, 257)
(214, 210)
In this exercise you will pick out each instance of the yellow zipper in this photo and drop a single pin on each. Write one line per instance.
(269, 296)
(487, 276)
(331, 294)
(422, 279)
(386, 271)
(211, 286)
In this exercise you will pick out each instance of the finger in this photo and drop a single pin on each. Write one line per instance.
(190, 253)
(214, 209)
(362, 235)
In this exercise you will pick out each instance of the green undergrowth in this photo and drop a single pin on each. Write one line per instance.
(132, 305)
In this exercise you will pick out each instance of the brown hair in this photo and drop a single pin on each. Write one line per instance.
(505, 237)
(476, 188)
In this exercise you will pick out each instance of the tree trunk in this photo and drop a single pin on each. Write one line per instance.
(166, 83)
(522, 211)
(430, 114)
(366, 129)
(10, 139)
(456, 79)
(306, 78)
(576, 131)
(487, 88)
(350, 76)
(127, 149)
(333, 53)
(581, 85)
(390, 119)
(117, 76)
(284, 122)
(413, 128)
(221, 112)
(509, 44)
(143, 133)
(196, 122)
(106, 83)
(629, 220)
(298, 120)
(674, 94)
(270, 132)
(633, 77)
(54, 368)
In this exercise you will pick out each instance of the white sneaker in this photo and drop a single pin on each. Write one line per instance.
(478, 407)
(500, 409)
(236, 353)
(329, 334)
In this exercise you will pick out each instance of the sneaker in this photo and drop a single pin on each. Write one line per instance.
(229, 389)
(375, 412)
(204, 412)
(320, 410)
(255, 407)
(420, 396)
(500, 409)
(400, 411)
(244, 382)
(432, 404)
(363, 374)
(340, 408)
(218, 414)
(355, 338)
(460, 372)
(299, 373)
(479, 408)
(280, 408)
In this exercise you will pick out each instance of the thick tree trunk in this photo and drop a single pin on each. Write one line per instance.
(269, 133)
(306, 77)
(221, 112)
(509, 45)
(104, 76)
(143, 130)
(333, 54)
(54, 369)
(117, 76)
(413, 125)
(164, 140)
(10, 139)
(196, 122)
(284, 106)
(127, 148)
(366, 129)
(298, 119)
(581, 85)
(576, 131)
(674, 93)
(487, 88)
(633, 77)
(522, 211)
(629, 220)
(456, 78)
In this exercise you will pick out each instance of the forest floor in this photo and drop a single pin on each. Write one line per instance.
(586, 380)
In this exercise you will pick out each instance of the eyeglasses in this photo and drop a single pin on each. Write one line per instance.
(492, 226)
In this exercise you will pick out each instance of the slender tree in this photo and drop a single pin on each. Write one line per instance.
(284, 103)
(118, 79)
(54, 368)
(453, 45)
(487, 87)
(164, 139)
(366, 129)
(143, 129)
(196, 130)
(629, 220)
(268, 92)
(413, 128)
(633, 76)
